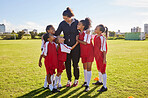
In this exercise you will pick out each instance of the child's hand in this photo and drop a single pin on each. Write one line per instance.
(77, 37)
(40, 64)
(104, 61)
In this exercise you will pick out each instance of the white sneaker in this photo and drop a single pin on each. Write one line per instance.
(59, 86)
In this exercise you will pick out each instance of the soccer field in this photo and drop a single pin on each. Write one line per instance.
(127, 71)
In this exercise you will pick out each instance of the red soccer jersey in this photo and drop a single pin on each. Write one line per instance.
(88, 47)
(100, 45)
(51, 55)
(61, 55)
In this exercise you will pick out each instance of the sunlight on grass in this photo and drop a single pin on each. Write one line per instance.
(127, 71)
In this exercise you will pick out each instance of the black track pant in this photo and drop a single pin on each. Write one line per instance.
(74, 56)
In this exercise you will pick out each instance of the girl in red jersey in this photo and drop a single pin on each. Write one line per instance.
(100, 50)
(86, 49)
(62, 50)
(50, 55)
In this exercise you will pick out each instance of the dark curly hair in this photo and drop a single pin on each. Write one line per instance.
(86, 23)
(103, 29)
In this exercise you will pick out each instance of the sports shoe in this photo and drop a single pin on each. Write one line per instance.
(102, 89)
(98, 83)
(68, 83)
(84, 84)
(55, 90)
(59, 86)
(75, 83)
(86, 88)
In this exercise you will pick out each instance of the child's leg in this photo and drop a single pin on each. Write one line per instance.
(104, 79)
(45, 82)
(57, 79)
(100, 76)
(103, 68)
(85, 71)
(89, 64)
(49, 82)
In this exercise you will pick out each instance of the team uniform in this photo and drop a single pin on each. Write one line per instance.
(50, 57)
(86, 51)
(61, 59)
(100, 45)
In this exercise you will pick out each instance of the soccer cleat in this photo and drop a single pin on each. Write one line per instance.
(98, 83)
(68, 83)
(84, 84)
(75, 83)
(102, 89)
(59, 86)
(86, 88)
(55, 90)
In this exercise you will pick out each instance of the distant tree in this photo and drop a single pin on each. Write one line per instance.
(40, 34)
(13, 32)
(111, 34)
(20, 34)
(33, 34)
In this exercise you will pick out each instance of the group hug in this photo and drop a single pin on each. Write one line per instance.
(61, 53)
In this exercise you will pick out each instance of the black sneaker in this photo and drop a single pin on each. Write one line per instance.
(86, 88)
(55, 90)
(84, 84)
(102, 89)
(98, 83)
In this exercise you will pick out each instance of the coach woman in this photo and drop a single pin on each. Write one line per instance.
(69, 28)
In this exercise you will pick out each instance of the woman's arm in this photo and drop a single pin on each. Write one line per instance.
(59, 30)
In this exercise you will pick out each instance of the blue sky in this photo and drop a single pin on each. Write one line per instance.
(37, 14)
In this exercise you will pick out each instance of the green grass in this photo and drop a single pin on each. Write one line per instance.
(127, 71)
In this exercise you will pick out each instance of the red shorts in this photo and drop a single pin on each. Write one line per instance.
(60, 67)
(49, 70)
(100, 66)
(87, 59)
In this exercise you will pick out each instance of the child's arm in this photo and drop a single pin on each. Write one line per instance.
(104, 57)
(40, 59)
(82, 42)
(74, 45)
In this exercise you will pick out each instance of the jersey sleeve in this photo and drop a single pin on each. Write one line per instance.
(87, 38)
(42, 45)
(45, 51)
(103, 43)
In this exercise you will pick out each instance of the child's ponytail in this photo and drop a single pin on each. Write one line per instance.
(86, 23)
(106, 32)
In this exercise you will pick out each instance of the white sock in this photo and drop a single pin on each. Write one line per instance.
(88, 77)
(104, 80)
(45, 82)
(55, 82)
(59, 80)
(52, 78)
(100, 77)
(85, 75)
(50, 87)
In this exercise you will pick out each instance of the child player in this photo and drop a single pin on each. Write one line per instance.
(86, 50)
(100, 50)
(50, 55)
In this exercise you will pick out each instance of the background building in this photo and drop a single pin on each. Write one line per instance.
(146, 28)
(135, 29)
(2, 28)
